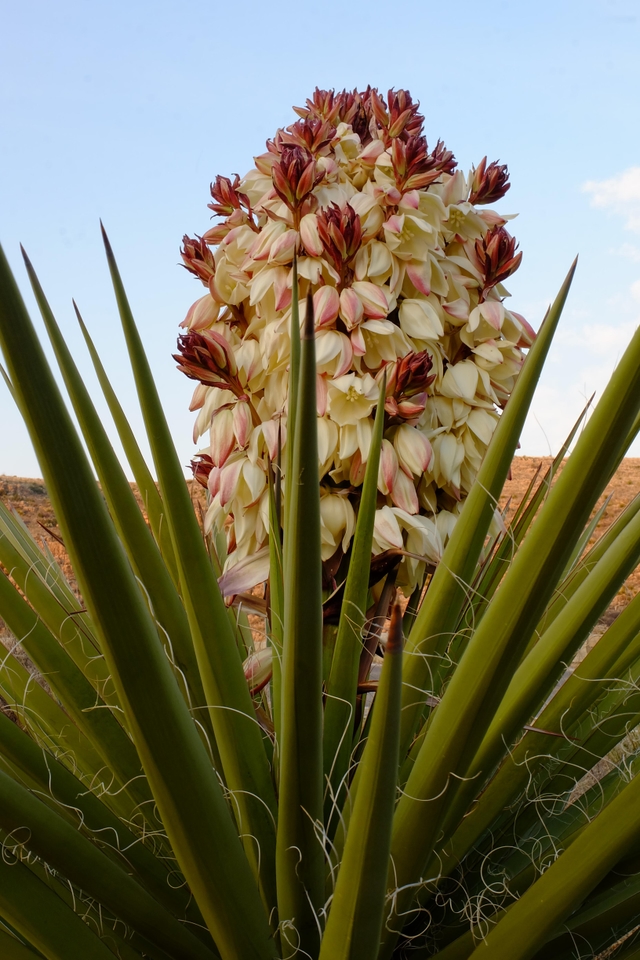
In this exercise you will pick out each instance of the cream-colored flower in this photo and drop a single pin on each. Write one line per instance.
(351, 398)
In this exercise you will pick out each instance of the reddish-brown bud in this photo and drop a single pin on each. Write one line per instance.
(414, 167)
(340, 231)
(413, 374)
(227, 197)
(379, 109)
(208, 358)
(497, 257)
(198, 258)
(490, 183)
(295, 176)
(404, 119)
(313, 134)
(324, 104)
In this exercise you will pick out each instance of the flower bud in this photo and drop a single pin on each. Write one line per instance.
(351, 308)
(222, 436)
(242, 422)
(403, 493)
(413, 449)
(489, 183)
(326, 304)
(373, 297)
(310, 235)
(388, 469)
(201, 314)
(197, 258)
(258, 668)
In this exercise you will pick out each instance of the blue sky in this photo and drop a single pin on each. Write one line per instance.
(127, 110)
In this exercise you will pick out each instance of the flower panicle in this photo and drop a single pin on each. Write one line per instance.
(399, 262)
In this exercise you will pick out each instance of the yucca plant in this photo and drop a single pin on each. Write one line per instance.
(169, 794)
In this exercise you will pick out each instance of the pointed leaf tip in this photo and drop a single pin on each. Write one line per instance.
(308, 331)
(395, 639)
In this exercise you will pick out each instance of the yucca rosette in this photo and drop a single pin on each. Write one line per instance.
(406, 266)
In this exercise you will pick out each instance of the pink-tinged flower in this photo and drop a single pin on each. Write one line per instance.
(388, 469)
(374, 300)
(283, 249)
(201, 314)
(321, 394)
(357, 469)
(223, 439)
(258, 668)
(244, 574)
(310, 235)
(419, 272)
(229, 476)
(490, 183)
(261, 246)
(386, 531)
(357, 342)
(326, 304)
(242, 422)
(198, 398)
(274, 433)
(528, 333)
(213, 481)
(413, 408)
(351, 308)
(413, 450)
(282, 289)
(403, 492)
(458, 309)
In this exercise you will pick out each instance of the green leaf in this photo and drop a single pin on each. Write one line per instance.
(70, 796)
(540, 670)
(75, 693)
(299, 852)
(563, 887)
(357, 909)
(237, 732)
(185, 787)
(43, 919)
(61, 846)
(146, 484)
(132, 529)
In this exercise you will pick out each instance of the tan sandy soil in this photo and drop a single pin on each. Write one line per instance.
(624, 486)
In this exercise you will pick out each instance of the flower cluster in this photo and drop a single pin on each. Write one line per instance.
(406, 267)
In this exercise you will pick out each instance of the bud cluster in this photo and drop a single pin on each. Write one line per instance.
(406, 265)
